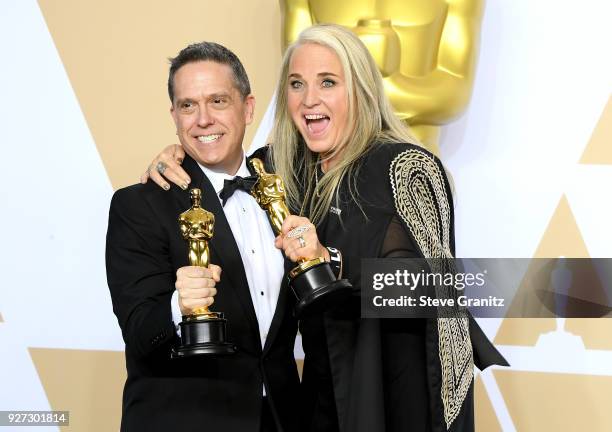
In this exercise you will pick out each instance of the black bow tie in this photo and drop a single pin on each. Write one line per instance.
(242, 183)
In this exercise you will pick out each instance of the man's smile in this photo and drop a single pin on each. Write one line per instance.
(209, 138)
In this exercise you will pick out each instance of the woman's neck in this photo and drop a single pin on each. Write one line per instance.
(328, 163)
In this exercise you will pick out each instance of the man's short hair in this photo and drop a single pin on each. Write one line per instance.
(210, 51)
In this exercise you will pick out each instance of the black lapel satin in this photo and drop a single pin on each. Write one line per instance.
(282, 305)
(223, 243)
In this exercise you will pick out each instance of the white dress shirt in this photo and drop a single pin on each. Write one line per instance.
(263, 263)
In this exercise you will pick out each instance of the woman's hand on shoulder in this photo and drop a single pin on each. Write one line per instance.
(299, 240)
(166, 166)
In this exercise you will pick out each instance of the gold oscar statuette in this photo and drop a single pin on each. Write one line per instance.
(312, 281)
(202, 331)
(426, 51)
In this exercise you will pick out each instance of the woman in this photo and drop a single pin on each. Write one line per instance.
(353, 169)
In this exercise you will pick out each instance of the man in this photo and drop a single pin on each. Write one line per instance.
(256, 388)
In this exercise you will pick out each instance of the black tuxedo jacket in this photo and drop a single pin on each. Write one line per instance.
(144, 249)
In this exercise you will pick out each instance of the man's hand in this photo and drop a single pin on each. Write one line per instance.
(196, 286)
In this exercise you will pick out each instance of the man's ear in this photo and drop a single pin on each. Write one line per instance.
(249, 108)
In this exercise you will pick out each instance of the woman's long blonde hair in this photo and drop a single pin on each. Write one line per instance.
(370, 120)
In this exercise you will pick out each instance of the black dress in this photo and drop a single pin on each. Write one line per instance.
(375, 375)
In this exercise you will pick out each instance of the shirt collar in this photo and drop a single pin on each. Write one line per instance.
(217, 178)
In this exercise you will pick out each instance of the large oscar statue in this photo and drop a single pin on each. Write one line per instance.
(425, 49)
(202, 331)
(312, 281)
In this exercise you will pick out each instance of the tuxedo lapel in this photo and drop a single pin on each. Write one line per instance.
(222, 244)
(282, 305)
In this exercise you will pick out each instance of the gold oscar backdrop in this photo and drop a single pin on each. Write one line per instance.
(578, 401)
(426, 51)
(114, 53)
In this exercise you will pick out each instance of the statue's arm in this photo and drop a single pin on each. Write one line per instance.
(296, 16)
(444, 93)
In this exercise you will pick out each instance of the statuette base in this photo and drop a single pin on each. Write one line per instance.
(203, 337)
(318, 290)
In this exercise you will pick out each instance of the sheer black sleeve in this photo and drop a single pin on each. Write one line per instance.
(397, 243)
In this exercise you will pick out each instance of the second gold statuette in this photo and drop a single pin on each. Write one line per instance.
(313, 282)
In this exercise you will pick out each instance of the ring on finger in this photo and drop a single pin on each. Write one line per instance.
(161, 167)
(298, 231)
(302, 242)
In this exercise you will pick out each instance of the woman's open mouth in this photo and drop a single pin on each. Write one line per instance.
(316, 123)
